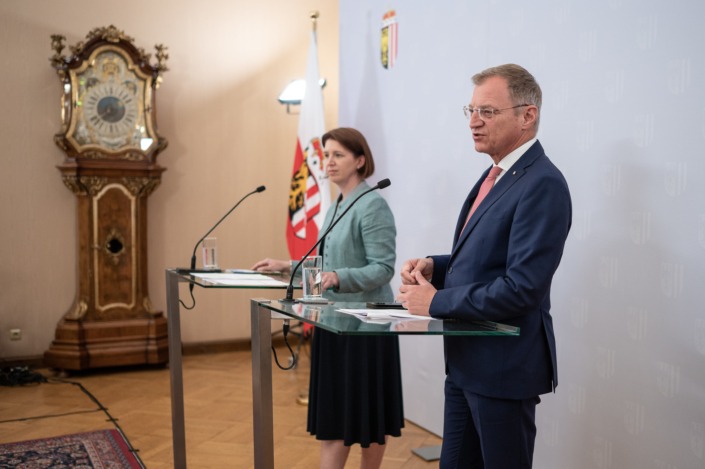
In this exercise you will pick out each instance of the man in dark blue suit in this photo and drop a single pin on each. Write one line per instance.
(506, 249)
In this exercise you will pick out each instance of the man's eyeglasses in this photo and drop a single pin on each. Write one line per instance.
(487, 113)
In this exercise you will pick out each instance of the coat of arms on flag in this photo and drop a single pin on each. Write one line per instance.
(309, 195)
(305, 193)
(388, 41)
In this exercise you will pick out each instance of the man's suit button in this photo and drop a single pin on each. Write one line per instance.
(450, 269)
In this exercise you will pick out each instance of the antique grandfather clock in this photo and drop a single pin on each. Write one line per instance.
(109, 135)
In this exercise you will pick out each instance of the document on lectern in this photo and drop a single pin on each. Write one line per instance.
(384, 314)
(239, 279)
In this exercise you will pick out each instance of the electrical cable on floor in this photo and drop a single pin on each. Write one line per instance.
(48, 416)
(22, 376)
(111, 419)
(285, 332)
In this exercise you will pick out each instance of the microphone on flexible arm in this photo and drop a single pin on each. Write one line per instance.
(290, 288)
(193, 256)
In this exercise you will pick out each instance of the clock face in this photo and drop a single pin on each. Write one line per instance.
(112, 105)
(111, 109)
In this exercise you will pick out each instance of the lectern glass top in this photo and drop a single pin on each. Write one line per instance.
(329, 317)
(234, 279)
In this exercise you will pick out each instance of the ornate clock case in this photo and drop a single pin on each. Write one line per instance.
(109, 135)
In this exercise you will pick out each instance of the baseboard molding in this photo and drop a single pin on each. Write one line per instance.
(217, 346)
(29, 362)
(194, 348)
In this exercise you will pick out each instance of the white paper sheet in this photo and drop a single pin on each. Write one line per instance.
(240, 280)
(384, 314)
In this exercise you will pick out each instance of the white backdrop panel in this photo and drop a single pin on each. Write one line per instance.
(624, 118)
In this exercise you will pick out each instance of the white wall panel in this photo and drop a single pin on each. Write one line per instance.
(624, 118)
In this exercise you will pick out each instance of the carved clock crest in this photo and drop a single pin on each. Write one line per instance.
(109, 136)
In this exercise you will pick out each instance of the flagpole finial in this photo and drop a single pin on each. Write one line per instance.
(314, 17)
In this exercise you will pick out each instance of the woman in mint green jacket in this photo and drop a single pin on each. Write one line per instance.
(355, 393)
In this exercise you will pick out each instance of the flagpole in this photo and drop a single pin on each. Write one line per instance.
(314, 17)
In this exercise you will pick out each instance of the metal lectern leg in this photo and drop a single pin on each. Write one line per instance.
(175, 370)
(262, 413)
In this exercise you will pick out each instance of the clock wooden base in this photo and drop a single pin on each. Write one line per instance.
(80, 345)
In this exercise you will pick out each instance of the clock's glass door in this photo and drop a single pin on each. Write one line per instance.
(110, 103)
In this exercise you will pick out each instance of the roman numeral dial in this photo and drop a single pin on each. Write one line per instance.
(111, 109)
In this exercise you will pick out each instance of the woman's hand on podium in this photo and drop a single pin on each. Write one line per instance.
(273, 265)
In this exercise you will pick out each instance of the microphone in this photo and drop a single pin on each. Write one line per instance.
(193, 256)
(290, 288)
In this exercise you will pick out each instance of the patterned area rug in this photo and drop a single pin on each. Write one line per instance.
(99, 449)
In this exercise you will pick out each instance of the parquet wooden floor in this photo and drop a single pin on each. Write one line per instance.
(218, 396)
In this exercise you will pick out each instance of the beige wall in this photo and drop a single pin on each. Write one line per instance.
(227, 134)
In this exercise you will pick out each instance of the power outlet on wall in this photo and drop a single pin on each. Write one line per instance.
(15, 334)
